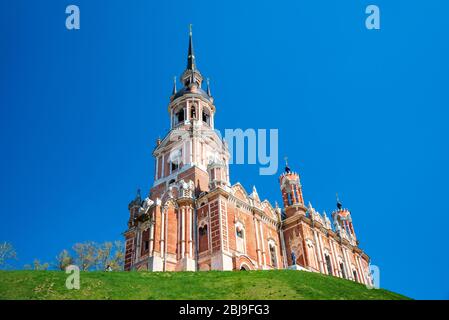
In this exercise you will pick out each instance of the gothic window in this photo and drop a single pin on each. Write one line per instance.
(206, 117)
(289, 199)
(274, 262)
(354, 273)
(312, 255)
(342, 268)
(175, 160)
(203, 239)
(328, 264)
(174, 166)
(145, 241)
(193, 111)
(296, 197)
(240, 237)
(180, 116)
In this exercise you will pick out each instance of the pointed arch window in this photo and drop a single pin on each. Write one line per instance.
(193, 111)
(240, 237)
(328, 264)
(273, 255)
(203, 238)
(206, 116)
(342, 268)
(179, 117)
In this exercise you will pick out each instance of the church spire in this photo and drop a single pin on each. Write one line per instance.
(174, 86)
(339, 205)
(208, 88)
(191, 76)
(287, 168)
(191, 54)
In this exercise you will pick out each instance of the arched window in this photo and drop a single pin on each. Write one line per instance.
(354, 273)
(312, 255)
(240, 237)
(273, 256)
(206, 116)
(342, 269)
(328, 264)
(296, 196)
(145, 241)
(203, 239)
(175, 160)
(179, 116)
(193, 111)
(289, 199)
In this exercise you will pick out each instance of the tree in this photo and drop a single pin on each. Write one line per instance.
(7, 252)
(63, 260)
(86, 255)
(104, 255)
(118, 260)
(37, 265)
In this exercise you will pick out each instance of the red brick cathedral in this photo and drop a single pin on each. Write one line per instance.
(194, 219)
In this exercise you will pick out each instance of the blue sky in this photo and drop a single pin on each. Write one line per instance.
(362, 113)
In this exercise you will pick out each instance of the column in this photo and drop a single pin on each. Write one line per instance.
(183, 244)
(362, 272)
(347, 265)
(138, 239)
(319, 255)
(191, 255)
(257, 241)
(162, 239)
(263, 244)
(334, 259)
(151, 236)
(322, 254)
(186, 231)
(163, 166)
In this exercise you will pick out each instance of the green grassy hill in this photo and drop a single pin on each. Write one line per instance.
(280, 284)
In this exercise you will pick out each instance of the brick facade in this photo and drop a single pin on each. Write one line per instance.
(194, 219)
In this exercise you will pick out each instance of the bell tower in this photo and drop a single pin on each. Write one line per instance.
(343, 223)
(191, 144)
(291, 192)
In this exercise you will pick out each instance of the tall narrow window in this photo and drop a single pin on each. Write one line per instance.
(328, 264)
(206, 117)
(289, 199)
(354, 273)
(274, 261)
(193, 112)
(296, 196)
(240, 238)
(203, 239)
(145, 241)
(342, 268)
(179, 116)
(175, 160)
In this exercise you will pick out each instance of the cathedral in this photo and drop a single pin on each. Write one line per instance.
(194, 219)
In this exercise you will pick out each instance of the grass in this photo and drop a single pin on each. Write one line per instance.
(244, 285)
